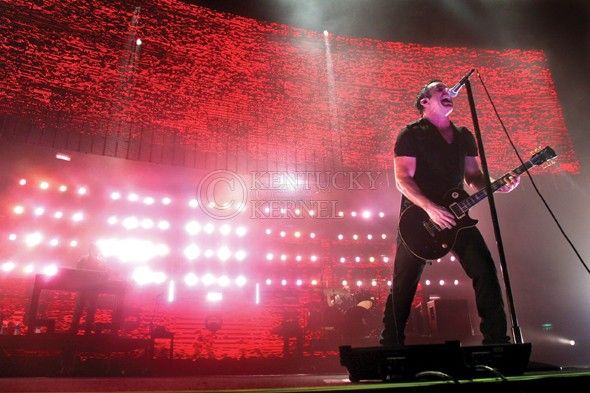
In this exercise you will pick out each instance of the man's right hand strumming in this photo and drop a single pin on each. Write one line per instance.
(440, 216)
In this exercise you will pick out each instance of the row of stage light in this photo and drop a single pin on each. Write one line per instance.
(144, 275)
(192, 203)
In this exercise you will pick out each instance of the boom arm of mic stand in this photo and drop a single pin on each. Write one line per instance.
(517, 334)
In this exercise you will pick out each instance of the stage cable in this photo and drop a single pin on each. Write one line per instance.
(530, 176)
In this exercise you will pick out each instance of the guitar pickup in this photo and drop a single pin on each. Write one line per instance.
(456, 210)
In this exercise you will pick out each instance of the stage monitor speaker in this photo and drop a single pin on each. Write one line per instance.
(448, 319)
(450, 358)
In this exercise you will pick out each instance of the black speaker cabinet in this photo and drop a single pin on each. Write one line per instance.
(404, 363)
(448, 319)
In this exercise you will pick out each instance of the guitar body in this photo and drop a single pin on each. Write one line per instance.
(426, 240)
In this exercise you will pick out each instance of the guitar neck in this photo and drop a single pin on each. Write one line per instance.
(482, 194)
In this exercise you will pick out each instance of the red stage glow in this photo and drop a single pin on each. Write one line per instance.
(234, 86)
(245, 94)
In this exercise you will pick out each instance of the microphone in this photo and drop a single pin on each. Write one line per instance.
(454, 91)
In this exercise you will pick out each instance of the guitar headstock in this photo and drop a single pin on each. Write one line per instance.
(544, 157)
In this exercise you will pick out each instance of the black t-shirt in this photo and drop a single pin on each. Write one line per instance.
(440, 166)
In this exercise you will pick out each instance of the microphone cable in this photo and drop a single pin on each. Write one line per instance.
(530, 176)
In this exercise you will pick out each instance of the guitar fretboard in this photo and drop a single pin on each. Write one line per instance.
(482, 194)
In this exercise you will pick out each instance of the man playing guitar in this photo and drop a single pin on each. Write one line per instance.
(433, 156)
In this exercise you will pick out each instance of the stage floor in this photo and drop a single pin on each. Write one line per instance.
(529, 382)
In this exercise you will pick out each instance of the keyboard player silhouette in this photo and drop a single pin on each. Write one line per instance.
(88, 296)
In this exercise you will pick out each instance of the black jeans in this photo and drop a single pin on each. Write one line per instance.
(476, 260)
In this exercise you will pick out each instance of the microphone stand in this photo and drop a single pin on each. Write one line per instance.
(517, 334)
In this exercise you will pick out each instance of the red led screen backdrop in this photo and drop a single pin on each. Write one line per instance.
(223, 83)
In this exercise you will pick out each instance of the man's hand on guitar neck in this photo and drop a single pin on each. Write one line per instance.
(440, 216)
(511, 183)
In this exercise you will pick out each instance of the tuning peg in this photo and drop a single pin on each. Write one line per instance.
(548, 163)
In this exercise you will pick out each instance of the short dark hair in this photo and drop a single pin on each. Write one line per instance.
(424, 93)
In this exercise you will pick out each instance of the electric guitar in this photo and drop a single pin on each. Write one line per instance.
(427, 240)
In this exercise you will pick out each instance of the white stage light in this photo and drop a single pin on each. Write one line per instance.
(225, 229)
(223, 281)
(240, 255)
(171, 291)
(214, 297)
(209, 228)
(33, 239)
(163, 225)
(191, 279)
(192, 252)
(8, 266)
(223, 253)
(50, 270)
(147, 223)
(130, 223)
(208, 280)
(193, 228)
